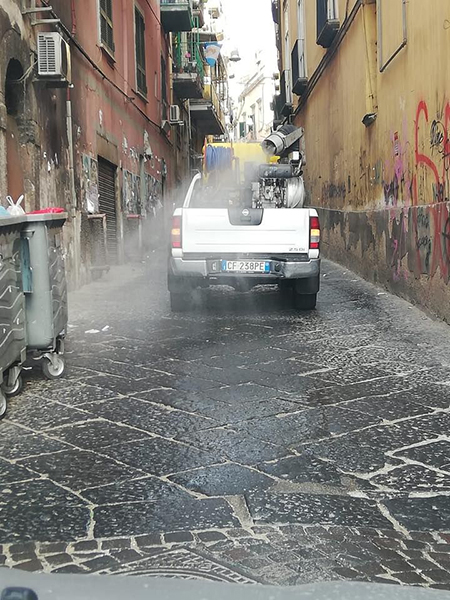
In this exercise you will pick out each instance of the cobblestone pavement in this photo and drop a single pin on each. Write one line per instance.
(242, 441)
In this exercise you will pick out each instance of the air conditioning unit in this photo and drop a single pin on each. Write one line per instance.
(54, 59)
(174, 114)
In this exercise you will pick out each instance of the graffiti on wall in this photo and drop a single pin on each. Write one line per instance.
(333, 192)
(415, 181)
(131, 193)
(394, 174)
(412, 181)
(432, 152)
(89, 184)
(431, 184)
(398, 246)
(153, 196)
(141, 197)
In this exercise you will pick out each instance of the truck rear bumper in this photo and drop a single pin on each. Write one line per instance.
(200, 269)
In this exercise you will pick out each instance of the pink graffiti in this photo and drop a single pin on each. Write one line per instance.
(439, 211)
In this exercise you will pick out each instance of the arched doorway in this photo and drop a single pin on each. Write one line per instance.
(14, 96)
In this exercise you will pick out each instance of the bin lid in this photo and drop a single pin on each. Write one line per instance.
(8, 221)
(40, 217)
(47, 211)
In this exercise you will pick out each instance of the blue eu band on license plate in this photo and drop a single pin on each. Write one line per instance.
(245, 266)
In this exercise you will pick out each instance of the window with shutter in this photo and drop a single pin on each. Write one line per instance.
(106, 25)
(141, 78)
(163, 89)
(163, 80)
(327, 22)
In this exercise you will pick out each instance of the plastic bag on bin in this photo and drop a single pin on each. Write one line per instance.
(14, 208)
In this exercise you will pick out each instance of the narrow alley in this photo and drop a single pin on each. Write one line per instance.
(242, 441)
(224, 299)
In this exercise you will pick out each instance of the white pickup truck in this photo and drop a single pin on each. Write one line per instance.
(216, 243)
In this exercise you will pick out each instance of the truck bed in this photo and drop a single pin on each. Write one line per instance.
(212, 231)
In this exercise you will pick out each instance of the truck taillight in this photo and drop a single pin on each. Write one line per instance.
(176, 232)
(314, 233)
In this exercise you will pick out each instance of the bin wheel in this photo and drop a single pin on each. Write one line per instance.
(12, 390)
(2, 404)
(53, 369)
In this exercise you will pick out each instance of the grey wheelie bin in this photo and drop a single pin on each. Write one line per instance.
(12, 309)
(45, 290)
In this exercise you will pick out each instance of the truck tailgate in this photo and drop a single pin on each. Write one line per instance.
(209, 231)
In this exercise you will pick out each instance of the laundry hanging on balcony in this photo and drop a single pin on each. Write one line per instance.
(212, 53)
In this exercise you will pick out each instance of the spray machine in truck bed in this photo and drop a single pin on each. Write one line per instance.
(254, 176)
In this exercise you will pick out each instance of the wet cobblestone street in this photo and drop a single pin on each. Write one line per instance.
(241, 441)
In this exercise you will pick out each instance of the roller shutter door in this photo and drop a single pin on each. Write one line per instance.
(107, 204)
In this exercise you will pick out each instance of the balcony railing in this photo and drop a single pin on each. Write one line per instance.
(176, 15)
(187, 55)
(188, 66)
(211, 32)
(199, 11)
(211, 95)
(208, 112)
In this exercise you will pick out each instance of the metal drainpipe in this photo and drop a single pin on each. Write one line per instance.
(73, 209)
(189, 137)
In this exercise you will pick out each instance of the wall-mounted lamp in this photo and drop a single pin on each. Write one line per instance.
(369, 119)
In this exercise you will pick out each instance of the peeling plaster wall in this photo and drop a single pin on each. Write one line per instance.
(38, 132)
(112, 121)
(109, 120)
(106, 125)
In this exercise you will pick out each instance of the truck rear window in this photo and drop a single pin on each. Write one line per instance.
(216, 197)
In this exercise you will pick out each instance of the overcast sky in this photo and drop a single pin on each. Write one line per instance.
(249, 25)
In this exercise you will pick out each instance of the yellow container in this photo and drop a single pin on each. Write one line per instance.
(244, 153)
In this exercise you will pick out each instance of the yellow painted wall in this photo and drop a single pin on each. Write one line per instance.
(333, 113)
(314, 53)
(337, 144)
(385, 189)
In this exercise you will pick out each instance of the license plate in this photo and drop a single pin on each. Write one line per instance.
(245, 266)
